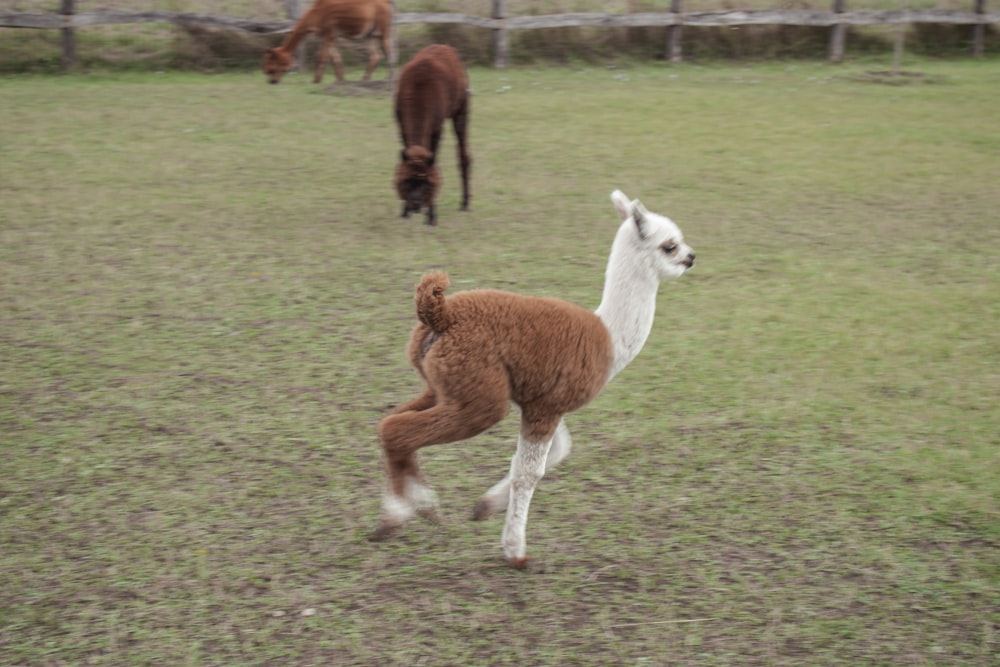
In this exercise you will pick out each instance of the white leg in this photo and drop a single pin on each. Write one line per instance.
(395, 510)
(495, 500)
(527, 467)
(562, 444)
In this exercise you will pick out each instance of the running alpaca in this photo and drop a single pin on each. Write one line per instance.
(480, 350)
(355, 19)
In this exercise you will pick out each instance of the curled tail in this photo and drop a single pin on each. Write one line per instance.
(432, 308)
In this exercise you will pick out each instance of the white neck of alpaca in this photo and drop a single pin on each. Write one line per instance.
(629, 300)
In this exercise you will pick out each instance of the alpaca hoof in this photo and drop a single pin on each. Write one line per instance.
(482, 510)
(519, 563)
(383, 532)
(487, 507)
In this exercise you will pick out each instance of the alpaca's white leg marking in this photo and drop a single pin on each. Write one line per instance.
(418, 498)
(420, 495)
(562, 444)
(527, 467)
(422, 498)
(496, 499)
(395, 511)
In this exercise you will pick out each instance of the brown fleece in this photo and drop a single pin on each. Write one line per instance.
(478, 351)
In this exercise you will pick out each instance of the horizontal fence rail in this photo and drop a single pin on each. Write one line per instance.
(69, 20)
(796, 17)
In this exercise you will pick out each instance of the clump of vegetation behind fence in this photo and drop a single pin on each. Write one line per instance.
(155, 46)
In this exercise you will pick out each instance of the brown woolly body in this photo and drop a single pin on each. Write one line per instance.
(433, 87)
(480, 350)
(543, 352)
(330, 19)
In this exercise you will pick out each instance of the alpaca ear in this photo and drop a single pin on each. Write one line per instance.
(622, 204)
(639, 214)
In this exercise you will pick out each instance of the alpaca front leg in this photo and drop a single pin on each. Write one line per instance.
(495, 500)
(527, 467)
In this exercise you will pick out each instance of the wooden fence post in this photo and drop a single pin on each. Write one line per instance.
(393, 54)
(68, 37)
(674, 53)
(837, 34)
(501, 43)
(978, 30)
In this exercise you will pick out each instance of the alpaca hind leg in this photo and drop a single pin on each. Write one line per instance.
(408, 496)
(527, 467)
(373, 58)
(389, 54)
(321, 56)
(338, 62)
(422, 402)
(495, 500)
(403, 433)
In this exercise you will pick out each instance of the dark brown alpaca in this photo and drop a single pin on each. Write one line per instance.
(369, 20)
(433, 87)
(481, 350)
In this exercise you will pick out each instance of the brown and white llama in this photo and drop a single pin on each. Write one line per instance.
(369, 20)
(433, 87)
(480, 350)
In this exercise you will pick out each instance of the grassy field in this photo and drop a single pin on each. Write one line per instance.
(207, 292)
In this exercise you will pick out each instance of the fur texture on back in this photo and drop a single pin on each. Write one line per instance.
(547, 355)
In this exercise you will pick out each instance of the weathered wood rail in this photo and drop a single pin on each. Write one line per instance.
(837, 20)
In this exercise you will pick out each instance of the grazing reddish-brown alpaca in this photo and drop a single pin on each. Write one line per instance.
(355, 19)
(433, 87)
(478, 351)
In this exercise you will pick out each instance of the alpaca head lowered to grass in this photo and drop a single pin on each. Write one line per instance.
(418, 180)
(481, 350)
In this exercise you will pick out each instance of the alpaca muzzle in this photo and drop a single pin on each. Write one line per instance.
(411, 206)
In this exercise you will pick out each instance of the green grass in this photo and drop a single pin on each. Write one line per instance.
(206, 296)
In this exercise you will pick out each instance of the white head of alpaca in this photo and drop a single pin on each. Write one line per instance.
(648, 249)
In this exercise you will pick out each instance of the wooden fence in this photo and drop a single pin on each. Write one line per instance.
(675, 20)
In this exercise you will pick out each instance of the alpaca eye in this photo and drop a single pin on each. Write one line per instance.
(669, 248)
